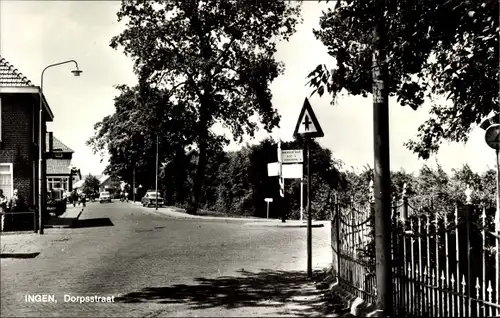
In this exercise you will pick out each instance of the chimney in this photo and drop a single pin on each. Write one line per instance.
(51, 141)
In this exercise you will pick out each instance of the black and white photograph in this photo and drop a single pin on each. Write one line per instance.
(250, 158)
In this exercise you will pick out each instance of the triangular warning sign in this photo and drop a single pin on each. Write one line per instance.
(307, 124)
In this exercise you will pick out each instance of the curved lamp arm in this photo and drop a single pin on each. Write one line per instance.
(77, 72)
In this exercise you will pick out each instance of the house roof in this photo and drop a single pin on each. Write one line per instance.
(103, 178)
(13, 81)
(57, 145)
(10, 76)
(58, 166)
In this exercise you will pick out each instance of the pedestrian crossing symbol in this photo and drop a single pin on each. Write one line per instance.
(308, 124)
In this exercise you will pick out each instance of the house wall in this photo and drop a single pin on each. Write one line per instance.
(19, 130)
(110, 184)
(60, 155)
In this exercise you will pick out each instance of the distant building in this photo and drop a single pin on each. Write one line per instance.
(60, 172)
(108, 183)
(19, 127)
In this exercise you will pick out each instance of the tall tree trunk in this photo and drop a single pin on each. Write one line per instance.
(201, 167)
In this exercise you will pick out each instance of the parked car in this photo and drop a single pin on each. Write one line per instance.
(149, 199)
(104, 196)
(56, 202)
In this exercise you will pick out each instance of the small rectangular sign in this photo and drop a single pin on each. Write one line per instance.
(293, 171)
(273, 169)
(292, 156)
(268, 199)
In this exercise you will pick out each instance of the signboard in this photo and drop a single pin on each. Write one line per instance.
(292, 156)
(492, 136)
(307, 124)
(273, 169)
(268, 199)
(293, 171)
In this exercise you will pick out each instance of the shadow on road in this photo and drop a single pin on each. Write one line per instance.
(267, 288)
(93, 222)
(19, 255)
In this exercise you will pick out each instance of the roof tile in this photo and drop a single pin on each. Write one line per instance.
(57, 145)
(10, 76)
(58, 166)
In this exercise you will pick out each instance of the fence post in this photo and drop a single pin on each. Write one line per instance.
(464, 213)
(335, 240)
(403, 217)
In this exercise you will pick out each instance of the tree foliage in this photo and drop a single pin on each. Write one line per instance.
(217, 57)
(90, 185)
(129, 135)
(436, 50)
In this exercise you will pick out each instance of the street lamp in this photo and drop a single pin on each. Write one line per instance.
(41, 143)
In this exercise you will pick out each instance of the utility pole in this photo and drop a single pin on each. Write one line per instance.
(156, 172)
(133, 183)
(380, 76)
(497, 230)
(492, 137)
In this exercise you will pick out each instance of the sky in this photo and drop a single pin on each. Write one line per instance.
(34, 34)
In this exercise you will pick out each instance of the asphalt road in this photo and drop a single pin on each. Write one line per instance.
(155, 265)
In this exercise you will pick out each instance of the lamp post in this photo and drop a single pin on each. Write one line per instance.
(41, 145)
(156, 201)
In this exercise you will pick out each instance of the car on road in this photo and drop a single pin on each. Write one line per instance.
(104, 196)
(149, 199)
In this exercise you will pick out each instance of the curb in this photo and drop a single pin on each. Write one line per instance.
(285, 225)
(70, 222)
(352, 306)
(246, 221)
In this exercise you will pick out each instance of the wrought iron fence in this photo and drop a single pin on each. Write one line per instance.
(351, 228)
(443, 265)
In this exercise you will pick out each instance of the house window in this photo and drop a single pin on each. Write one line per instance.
(58, 155)
(61, 182)
(6, 179)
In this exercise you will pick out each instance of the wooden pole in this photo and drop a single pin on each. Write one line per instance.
(381, 164)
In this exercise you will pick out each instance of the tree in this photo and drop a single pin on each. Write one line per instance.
(129, 135)
(90, 185)
(437, 49)
(216, 56)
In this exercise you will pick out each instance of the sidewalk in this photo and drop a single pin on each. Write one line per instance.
(181, 214)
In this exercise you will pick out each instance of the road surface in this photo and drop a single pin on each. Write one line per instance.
(154, 265)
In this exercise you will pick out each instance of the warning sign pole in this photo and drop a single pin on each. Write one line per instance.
(309, 216)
